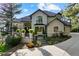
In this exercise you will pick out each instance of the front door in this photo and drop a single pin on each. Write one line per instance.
(39, 30)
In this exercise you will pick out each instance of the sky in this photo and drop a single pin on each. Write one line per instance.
(29, 8)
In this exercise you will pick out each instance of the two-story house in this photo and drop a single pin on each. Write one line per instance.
(48, 22)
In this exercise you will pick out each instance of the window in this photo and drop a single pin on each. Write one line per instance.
(56, 29)
(39, 20)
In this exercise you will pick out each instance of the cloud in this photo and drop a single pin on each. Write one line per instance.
(24, 13)
(48, 6)
(25, 10)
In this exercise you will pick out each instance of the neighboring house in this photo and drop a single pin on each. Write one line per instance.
(23, 23)
(20, 25)
(47, 22)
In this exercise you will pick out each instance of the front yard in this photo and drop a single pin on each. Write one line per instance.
(57, 39)
(8, 41)
(11, 41)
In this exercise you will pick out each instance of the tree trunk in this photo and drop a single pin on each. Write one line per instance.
(11, 27)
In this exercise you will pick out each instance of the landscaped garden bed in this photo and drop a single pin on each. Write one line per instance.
(45, 40)
(57, 39)
(10, 42)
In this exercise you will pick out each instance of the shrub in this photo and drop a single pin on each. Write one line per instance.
(3, 33)
(55, 40)
(50, 42)
(62, 35)
(67, 36)
(3, 47)
(23, 30)
(18, 30)
(31, 31)
(34, 42)
(38, 44)
(13, 40)
(75, 30)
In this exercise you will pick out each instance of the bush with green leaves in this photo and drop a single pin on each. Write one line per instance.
(3, 33)
(3, 47)
(23, 31)
(31, 31)
(57, 39)
(37, 43)
(13, 40)
(18, 30)
(75, 30)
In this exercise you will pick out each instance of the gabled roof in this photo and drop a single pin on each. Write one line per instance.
(24, 19)
(66, 23)
(48, 13)
(28, 18)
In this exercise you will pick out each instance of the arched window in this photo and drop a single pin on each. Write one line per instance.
(39, 20)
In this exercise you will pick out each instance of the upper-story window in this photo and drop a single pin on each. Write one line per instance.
(39, 20)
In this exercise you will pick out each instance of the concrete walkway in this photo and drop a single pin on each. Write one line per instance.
(66, 48)
(42, 51)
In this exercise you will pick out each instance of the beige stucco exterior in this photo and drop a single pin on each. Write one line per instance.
(50, 19)
(67, 29)
(34, 18)
(50, 27)
(20, 25)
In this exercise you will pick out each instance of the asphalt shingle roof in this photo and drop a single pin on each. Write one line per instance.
(48, 13)
(25, 19)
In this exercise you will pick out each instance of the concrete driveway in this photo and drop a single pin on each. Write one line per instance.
(67, 48)
(71, 46)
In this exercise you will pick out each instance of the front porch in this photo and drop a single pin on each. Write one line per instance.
(40, 33)
(40, 29)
